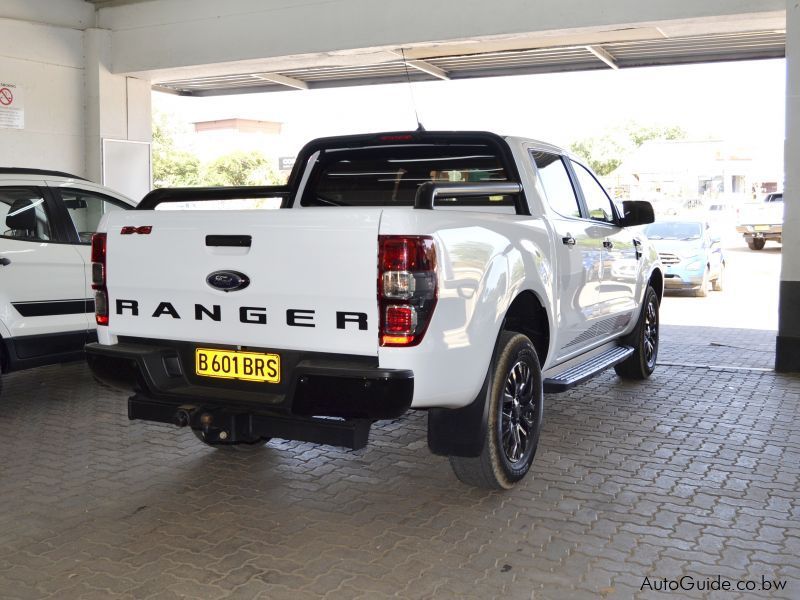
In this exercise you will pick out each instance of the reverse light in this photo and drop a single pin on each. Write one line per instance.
(407, 288)
(99, 278)
(399, 285)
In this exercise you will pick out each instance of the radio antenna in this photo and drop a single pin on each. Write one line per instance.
(411, 92)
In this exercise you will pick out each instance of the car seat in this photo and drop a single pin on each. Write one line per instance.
(21, 219)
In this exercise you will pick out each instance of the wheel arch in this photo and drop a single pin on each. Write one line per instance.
(656, 281)
(527, 315)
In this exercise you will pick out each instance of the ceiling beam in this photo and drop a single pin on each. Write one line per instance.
(282, 80)
(603, 55)
(426, 67)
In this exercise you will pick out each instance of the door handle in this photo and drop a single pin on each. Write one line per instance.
(608, 244)
(4, 262)
(568, 240)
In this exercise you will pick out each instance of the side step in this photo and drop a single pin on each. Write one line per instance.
(586, 370)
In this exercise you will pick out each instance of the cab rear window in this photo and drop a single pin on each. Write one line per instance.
(391, 175)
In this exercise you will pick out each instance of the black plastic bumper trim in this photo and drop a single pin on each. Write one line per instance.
(313, 384)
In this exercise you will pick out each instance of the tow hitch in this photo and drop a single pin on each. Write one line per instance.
(226, 426)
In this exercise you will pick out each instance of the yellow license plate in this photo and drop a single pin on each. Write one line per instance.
(762, 228)
(232, 364)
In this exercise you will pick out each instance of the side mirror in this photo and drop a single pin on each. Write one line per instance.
(637, 212)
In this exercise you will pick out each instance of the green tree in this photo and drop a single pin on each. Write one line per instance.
(239, 168)
(171, 167)
(605, 153)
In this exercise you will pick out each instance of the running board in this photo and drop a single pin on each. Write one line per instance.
(586, 370)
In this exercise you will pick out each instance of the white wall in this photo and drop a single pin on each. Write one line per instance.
(790, 270)
(72, 101)
(47, 62)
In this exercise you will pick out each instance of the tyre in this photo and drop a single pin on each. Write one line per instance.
(716, 284)
(644, 339)
(514, 422)
(702, 291)
(756, 243)
(236, 446)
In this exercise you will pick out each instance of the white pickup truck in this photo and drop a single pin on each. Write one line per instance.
(761, 221)
(459, 273)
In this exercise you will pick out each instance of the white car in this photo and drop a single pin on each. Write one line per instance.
(46, 301)
(460, 273)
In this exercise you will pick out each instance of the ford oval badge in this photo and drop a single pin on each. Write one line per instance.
(228, 281)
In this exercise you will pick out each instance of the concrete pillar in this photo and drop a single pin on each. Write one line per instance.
(116, 107)
(787, 349)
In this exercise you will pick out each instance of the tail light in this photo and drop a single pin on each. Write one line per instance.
(99, 278)
(406, 288)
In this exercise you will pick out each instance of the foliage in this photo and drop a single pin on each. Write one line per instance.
(605, 153)
(239, 168)
(173, 167)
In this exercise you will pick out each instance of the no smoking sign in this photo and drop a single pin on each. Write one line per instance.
(12, 106)
(6, 97)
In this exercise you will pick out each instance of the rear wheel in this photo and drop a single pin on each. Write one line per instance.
(644, 339)
(756, 243)
(514, 421)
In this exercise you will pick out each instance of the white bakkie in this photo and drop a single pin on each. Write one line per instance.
(462, 273)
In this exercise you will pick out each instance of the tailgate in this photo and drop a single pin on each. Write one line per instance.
(312, 278)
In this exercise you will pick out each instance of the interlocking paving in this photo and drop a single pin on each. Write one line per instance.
(694, 472)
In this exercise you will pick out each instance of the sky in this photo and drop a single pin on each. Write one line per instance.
(740, 102)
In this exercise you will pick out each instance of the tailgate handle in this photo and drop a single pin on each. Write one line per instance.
(231, 241)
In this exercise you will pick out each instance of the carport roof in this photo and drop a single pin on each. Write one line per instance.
(624, 54)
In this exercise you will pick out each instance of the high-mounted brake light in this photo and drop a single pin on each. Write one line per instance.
(99, 278)
(406, 288)
(397, 138)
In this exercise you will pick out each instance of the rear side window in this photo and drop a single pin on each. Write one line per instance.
(390, 175)
(86, 209)
(557, 184)
(24, 216)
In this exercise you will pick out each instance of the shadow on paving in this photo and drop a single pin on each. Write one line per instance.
(693, 472)
(717, 346)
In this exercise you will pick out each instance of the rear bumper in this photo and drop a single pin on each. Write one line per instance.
(312, 384)
(769, 232)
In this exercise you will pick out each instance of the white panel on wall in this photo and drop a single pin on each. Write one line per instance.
(126, 167)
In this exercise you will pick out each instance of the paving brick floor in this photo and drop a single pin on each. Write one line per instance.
(694, 472)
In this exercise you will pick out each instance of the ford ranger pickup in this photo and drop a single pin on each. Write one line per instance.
(459, 273)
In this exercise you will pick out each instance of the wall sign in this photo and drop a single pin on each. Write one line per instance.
(12, 112)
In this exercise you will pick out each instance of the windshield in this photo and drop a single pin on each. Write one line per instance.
(671, 230)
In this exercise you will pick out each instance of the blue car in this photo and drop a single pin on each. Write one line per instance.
(691, 256)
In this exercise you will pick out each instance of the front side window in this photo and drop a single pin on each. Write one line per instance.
(24, 213)
(86, 209)
(597, 201)
(556, 182)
